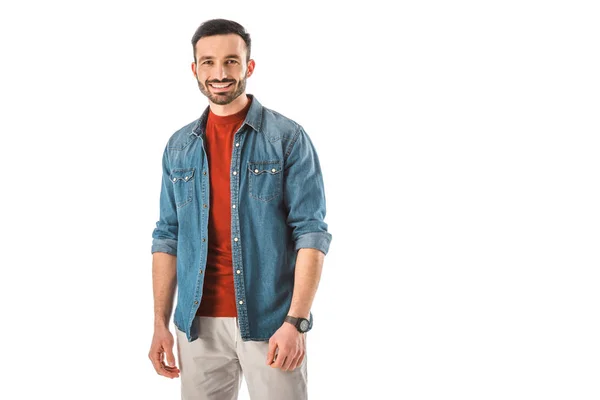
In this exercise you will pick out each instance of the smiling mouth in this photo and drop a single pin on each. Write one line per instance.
(220, 86)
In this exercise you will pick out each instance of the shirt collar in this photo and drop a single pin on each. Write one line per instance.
(253, 117)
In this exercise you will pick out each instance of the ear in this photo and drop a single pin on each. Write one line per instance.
(194, 69)
(251, 65)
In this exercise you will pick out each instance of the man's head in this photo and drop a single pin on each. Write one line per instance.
(222, 60)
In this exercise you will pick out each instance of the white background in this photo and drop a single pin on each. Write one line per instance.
(459, 146)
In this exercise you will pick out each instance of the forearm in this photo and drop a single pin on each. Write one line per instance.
(309, 264)
(164, 283)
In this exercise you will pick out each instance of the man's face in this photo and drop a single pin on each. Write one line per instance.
(221, 68)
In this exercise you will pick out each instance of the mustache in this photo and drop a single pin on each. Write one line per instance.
(223, 81)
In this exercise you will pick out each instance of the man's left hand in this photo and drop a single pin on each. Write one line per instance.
(290, 345)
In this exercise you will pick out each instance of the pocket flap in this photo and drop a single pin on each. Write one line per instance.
(182, 174)
(264, 167)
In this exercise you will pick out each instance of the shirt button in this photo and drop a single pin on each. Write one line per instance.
(174, 179)
(273, 170)
(200, 271)
(235, 239)
(241, 302)
(195, 302)
(233, 206)
(204, 173)
(204, 239)
(237, 145)
(234, 172)
(238, 271)
(256, 171)
(204, 205)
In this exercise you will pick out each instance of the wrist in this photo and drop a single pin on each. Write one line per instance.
(161, 323)
(302, 325)
(299, 313)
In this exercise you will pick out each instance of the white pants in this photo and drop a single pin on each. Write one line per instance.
(212, 365)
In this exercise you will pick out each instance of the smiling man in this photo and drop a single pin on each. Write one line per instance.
(241, 236)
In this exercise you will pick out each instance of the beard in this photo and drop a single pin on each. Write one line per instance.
(223, 98)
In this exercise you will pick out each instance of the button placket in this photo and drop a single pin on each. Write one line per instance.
(204, 215)
(235, 220)
(235, 230)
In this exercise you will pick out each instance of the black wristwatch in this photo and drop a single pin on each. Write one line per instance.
(302, 324)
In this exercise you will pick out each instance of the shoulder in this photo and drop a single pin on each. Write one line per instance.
(277, 126)
(182, 137)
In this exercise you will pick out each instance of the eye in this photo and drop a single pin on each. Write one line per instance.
(232, 61)
(207, 62)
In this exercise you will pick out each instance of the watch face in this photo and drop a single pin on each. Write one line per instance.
(304, 325)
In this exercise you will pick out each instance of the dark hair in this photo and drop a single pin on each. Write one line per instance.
(220, 27)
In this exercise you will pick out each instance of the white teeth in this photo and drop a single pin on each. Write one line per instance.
(220, 86)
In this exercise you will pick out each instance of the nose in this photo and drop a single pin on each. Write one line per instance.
(220, 72)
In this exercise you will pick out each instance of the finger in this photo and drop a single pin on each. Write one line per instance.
(169, 368)
(169, 372)
(156, 357)
(287, 364)
(271, 353)
(171, 358)
(278, 362)
(293, 364)
(298, 361)
(280, 359)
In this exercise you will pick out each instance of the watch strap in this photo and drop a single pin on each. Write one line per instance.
(296, 322)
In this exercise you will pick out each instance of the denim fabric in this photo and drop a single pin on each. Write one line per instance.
(277, 207)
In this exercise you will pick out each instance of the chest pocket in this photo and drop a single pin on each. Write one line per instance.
(265, 179)
(183, 185)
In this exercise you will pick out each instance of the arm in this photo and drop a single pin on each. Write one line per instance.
(305, 201)
(309, 265)
(164, 283)
(164, 250)
(290, 343)
(164, 277)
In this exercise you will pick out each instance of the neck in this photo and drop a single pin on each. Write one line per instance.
(228, 109)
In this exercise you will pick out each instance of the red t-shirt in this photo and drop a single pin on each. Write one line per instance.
(218, 297)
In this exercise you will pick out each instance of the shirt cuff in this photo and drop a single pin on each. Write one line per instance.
(314, 240)
(168, 246)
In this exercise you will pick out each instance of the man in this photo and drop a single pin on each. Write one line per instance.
(241, 235)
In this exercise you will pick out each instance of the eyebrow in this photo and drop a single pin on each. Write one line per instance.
(211, 57)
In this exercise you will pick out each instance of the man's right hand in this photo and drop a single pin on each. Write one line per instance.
(162, 345)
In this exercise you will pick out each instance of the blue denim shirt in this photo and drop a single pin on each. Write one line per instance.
(277, 207)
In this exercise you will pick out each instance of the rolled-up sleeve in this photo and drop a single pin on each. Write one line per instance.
(164, 236)
(305, 194)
